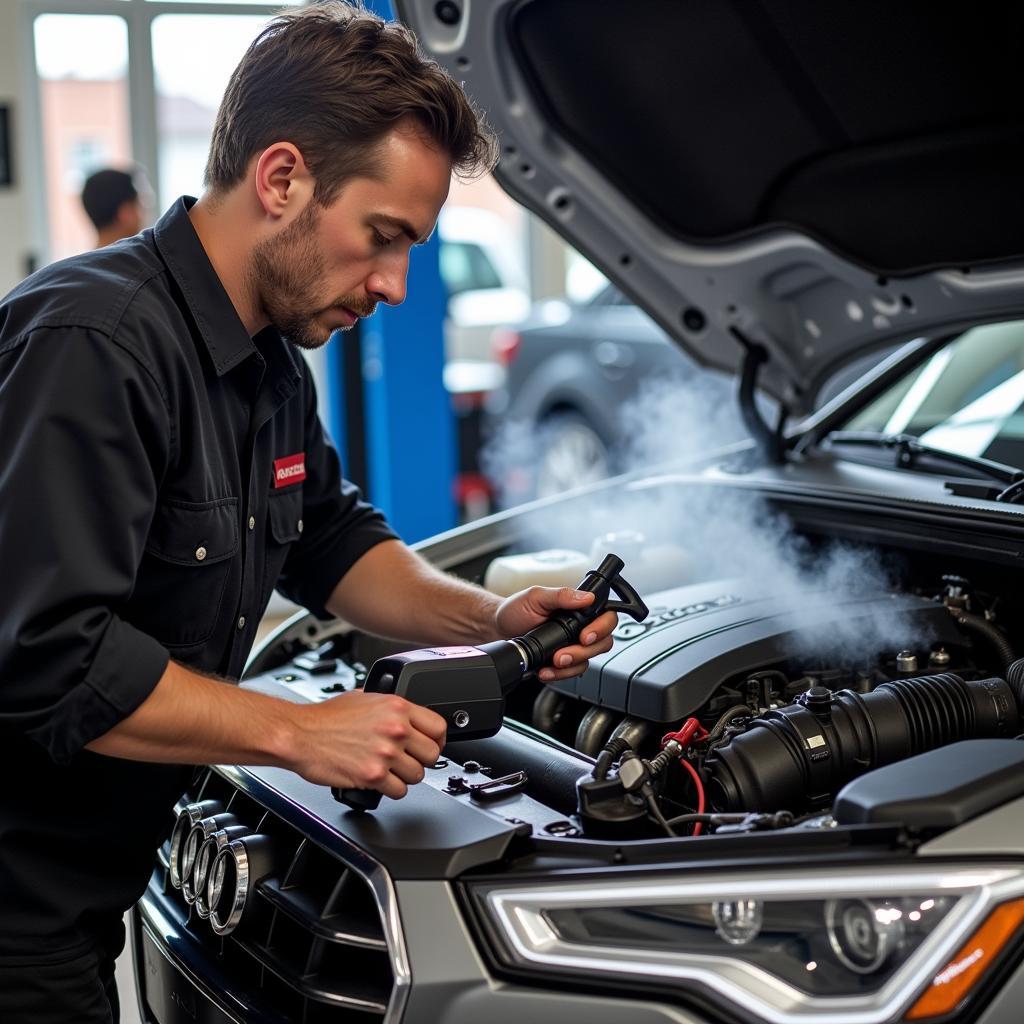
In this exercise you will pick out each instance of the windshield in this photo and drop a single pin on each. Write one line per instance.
(968, 398)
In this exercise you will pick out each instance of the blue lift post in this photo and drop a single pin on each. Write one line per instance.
(410, 437)
(408, 423)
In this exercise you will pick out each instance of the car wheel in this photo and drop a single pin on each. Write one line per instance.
(572, 453)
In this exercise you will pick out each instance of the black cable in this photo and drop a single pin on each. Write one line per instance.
(706, 819)
(734, 712)
(652, 806)
(780, 819)
(610, 753)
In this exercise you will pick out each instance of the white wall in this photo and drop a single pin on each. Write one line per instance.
(15, 238)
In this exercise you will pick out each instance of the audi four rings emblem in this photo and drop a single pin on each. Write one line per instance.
(216, 862)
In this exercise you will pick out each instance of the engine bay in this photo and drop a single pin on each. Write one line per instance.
(730, 708)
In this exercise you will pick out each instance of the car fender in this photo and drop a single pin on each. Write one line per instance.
(569, 379)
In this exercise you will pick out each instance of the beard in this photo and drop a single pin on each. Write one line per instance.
(284, 275)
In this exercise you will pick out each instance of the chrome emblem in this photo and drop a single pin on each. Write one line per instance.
(217, 862)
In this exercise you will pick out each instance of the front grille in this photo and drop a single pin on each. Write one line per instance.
(310, 947)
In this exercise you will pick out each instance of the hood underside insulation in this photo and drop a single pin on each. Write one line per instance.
(842, 120)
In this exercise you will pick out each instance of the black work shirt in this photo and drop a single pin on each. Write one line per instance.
(162, 472)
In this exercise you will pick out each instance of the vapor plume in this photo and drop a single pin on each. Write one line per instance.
(700, 521)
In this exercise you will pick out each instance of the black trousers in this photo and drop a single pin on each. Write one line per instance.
(58, 989)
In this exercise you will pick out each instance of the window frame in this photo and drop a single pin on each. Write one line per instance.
(143, 128)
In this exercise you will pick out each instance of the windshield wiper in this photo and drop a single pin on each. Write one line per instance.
(909, 450)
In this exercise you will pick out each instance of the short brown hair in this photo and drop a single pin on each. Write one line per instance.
(334, 79)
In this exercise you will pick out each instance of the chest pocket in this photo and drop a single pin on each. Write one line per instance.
(284, 514)
(185, 569)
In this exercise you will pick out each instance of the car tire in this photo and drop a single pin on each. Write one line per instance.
(572, 453)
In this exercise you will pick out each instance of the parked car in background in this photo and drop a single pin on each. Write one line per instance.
(581, 384)
(577, 377)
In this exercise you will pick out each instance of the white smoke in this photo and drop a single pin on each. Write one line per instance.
(726, 530)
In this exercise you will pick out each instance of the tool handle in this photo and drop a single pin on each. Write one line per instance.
(357, 799)
(633, 605)
(378, 681)
(565, 627)
(603, 581)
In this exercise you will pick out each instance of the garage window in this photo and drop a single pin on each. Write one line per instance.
(111, 89)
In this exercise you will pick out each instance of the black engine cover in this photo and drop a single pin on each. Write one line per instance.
(939, 789)
(697, 637)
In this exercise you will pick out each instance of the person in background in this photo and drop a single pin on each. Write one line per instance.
(116, 204)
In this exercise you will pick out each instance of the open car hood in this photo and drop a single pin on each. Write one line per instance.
(808, 181)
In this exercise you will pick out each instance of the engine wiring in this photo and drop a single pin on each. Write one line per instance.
(655, 811)
(677, 746)
(700, 791)
(674, 746)
(706, 819)
(736, 711)
(717, 787)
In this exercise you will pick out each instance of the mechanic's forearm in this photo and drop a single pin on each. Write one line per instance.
(192, 719)
(392, 591)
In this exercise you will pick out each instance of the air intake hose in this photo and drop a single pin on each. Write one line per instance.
(1015, 680)
(799, 756)
(993, 634)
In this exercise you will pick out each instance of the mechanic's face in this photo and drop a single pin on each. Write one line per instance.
(333, 264)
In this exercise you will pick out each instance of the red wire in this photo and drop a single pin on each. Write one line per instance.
(700, 791)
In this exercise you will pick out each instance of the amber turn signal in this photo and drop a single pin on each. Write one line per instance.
(951, 986)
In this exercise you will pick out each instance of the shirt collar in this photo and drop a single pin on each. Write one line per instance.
(282, 359)
(221, 329)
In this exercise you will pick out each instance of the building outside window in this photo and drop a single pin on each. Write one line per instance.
(123, 82)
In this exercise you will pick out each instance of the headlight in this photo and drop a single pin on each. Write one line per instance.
(846, 945)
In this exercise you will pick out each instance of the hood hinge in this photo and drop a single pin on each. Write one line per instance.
(770, 440)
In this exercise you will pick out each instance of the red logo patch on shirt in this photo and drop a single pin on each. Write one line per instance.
(290, 470)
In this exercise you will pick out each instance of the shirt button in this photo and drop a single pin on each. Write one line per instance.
(200, 553)
(252, 522)
(298, 526)
(241, 622)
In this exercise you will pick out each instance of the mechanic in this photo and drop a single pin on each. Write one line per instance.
(166, 469)
(115, 202)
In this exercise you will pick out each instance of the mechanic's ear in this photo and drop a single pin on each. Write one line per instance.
(283, 182)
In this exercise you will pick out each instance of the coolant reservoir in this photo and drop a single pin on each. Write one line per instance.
(650, 566)
(556, 567)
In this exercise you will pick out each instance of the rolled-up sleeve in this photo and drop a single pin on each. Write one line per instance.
(87, 438)
(339, 526)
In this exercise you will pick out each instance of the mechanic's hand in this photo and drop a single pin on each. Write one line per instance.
(367, 741)
(531, 607)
